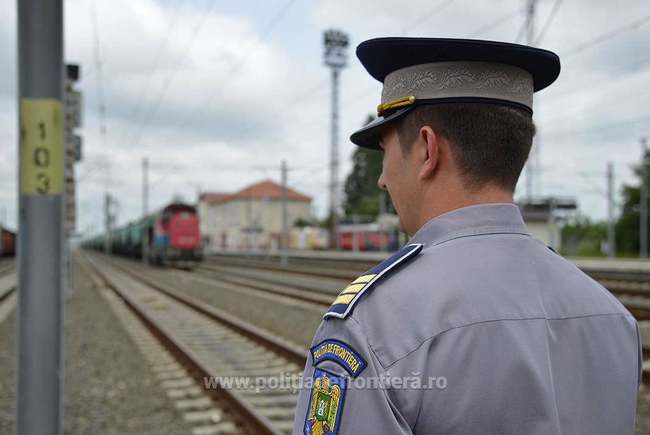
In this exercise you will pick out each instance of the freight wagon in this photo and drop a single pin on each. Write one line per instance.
(7, 243)
(169, 237)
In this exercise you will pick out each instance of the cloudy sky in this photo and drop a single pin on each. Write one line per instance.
(216, 94)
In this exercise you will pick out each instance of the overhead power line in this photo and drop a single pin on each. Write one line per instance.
(496, 23)
(547, 23)
(372, 89)
(140, 100)
(590, 130)
(276, 19)
(522, 32)
(167, 84)
(236, 68)
(439, 7)
(203, 106)
(606, 36)
(98, 67)
(572, 88)
(559, 115)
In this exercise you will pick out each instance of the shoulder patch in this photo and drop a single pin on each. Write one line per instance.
(325, 404)
(345, 301)
(340, 353)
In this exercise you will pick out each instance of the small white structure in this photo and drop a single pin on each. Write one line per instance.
(250, 219)
(541, 217)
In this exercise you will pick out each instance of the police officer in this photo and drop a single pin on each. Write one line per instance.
(474, 327)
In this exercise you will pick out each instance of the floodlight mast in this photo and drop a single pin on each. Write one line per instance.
(336, 43)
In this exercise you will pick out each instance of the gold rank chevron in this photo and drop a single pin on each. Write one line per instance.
(364, 279)
(348, 293)
(345, 301)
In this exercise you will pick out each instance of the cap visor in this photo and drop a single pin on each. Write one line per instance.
(369, 135)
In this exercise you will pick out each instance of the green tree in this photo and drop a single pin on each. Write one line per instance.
(302, 223)
(627, 226)
(362, 195)
(583, 238)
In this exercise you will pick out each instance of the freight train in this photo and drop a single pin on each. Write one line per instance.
(168, 237)
(7, 243)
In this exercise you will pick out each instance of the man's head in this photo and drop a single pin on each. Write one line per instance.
(444, 156)
(455, 120)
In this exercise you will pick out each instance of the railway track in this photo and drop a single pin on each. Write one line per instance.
(631, 286)
(635, 295)
(319, 286)
(346, 270)
(7, 266)
(321, 291)
(7, 294)
(273, 307)
(217, 349)
(632, 292)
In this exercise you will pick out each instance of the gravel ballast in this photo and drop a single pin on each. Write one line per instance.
(109, 387)
(284, 316)
(258, 311)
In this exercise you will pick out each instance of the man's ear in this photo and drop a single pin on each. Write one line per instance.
(429, 149)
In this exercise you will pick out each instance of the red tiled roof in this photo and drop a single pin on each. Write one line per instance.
(213, 197)
(264, 189)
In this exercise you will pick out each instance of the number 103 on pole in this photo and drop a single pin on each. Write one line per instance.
(41, 147)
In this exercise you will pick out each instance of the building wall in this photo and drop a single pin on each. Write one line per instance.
(207, 223)
(205, 212)
(225, 223)
(547, 233)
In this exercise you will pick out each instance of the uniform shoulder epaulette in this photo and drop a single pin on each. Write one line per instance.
(345, 301)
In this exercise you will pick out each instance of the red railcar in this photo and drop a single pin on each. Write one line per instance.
(7, 243)
(369, 237)
(176, 238)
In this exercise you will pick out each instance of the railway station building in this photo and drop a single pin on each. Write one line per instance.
(250, 219)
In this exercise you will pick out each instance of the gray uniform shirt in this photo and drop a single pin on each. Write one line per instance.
(485, 331)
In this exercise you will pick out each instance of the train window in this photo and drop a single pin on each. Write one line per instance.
(185, 215)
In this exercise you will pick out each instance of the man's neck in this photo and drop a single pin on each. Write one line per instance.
(445, 204)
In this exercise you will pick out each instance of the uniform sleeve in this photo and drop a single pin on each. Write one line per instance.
(639, 340)
(343, 389)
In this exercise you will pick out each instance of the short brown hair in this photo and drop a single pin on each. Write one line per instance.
(490, 143)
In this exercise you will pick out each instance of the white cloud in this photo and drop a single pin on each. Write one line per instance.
(223, 104)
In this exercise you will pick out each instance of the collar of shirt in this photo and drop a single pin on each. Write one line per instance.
(472, 221)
